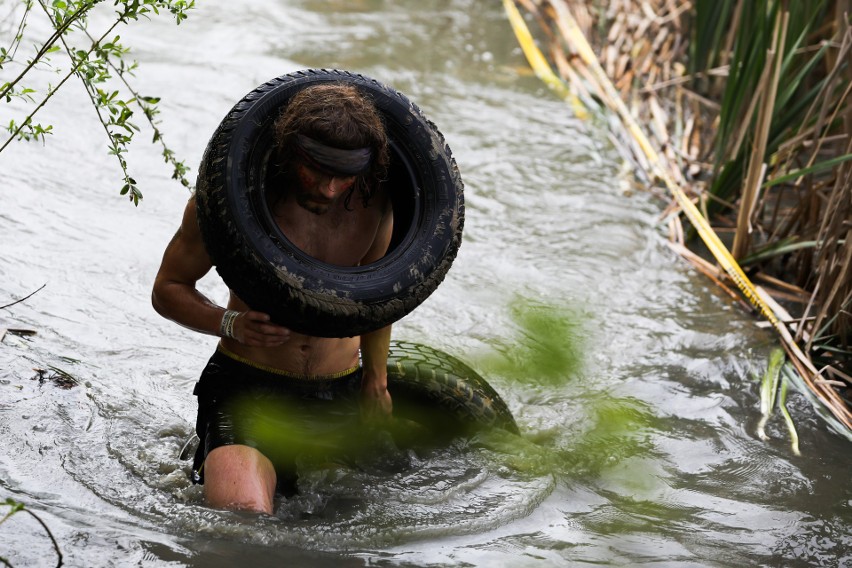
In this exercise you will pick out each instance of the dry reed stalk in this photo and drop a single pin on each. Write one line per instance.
(790, 288)
(836, 261)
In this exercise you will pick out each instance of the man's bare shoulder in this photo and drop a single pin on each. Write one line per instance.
(187, 241)
(189, 228)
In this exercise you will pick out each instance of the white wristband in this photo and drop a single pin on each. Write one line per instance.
(226, 328)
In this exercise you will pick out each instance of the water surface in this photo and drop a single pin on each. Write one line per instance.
(644, 453)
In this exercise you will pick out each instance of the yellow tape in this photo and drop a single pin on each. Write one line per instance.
(538, 62)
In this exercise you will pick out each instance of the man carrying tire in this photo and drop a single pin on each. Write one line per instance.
(328, 200)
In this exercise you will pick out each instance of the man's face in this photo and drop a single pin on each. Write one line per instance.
(319, 190)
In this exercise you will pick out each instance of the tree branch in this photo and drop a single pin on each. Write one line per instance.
(24, 298)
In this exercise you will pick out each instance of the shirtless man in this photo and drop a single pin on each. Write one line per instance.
(332, 153)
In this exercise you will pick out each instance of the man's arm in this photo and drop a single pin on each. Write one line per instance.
(186, 261)
(375, 399)
(176, 297)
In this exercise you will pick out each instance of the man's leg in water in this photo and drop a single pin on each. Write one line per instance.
(239, 477)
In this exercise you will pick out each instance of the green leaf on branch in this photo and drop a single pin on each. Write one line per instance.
(99, 63)
(16, 506)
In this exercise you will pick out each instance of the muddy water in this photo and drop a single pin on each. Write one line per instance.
(643, 452)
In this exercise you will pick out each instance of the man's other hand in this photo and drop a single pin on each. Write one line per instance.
(376, 404)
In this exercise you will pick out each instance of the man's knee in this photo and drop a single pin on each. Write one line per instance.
(239, 477)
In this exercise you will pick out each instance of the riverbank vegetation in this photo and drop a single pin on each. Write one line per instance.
(741, 109)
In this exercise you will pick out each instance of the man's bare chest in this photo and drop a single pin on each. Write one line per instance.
(340, 238)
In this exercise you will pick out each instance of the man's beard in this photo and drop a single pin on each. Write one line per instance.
(311, 202)
(306, 201)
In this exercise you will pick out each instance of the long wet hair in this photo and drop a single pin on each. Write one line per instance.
(337, 115)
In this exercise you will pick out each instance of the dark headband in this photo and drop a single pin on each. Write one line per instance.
(334, 160)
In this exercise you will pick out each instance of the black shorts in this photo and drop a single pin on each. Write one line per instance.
(272, 411)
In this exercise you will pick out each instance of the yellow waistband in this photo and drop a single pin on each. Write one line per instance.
(282, 372)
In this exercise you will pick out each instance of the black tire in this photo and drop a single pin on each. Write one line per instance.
(272, 275)
(443, 394)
